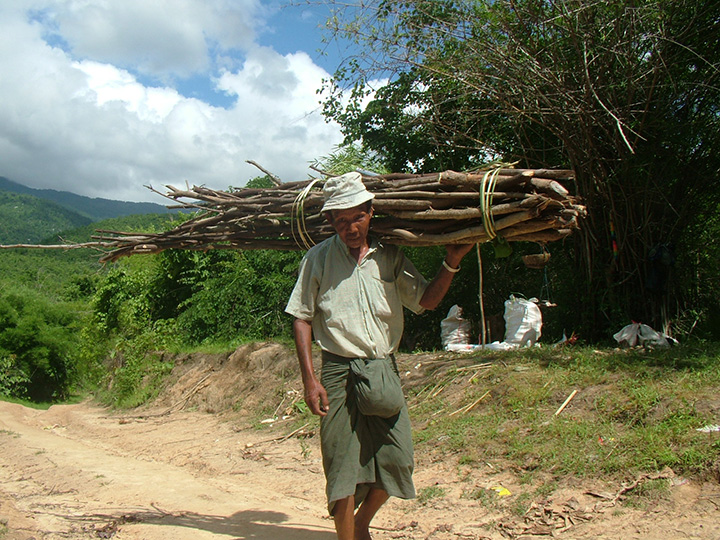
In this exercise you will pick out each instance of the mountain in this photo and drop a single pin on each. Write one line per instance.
(94, 209)
(26, 219)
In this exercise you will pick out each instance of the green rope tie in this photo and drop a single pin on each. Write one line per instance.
(297, 216)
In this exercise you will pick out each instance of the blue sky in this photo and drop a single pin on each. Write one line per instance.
(103, 97)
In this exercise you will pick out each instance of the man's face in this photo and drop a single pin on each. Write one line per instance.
(352, 225)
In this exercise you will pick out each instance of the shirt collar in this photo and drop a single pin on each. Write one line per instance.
(374, 244)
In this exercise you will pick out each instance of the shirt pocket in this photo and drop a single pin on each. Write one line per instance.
(383, 297)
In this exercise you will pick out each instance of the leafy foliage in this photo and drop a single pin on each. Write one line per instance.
(214, 296)
(51, 346)
(37, 345)
(244, 300)
(260, 182)
(351, 157)
(135, 368)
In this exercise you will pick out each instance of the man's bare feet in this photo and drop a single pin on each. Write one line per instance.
(362, 535)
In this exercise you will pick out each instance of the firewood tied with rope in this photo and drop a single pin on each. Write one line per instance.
(411, 210)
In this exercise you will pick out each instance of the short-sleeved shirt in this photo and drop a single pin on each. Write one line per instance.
(356, 308)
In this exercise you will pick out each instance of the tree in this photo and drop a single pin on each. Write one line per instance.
(260, 182)
(38, 345)
(625, 93)
(244, 298)
(351, 157)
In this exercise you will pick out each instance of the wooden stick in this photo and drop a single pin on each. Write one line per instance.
(85, 245)
(411, 210)
(272, 177)
(468, 407)
(474, 366)
(572, 395)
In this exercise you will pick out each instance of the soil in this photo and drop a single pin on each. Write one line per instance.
(199, 463)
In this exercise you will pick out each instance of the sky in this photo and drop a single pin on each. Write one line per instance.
(104, 97)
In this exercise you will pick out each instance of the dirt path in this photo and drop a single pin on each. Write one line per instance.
(81, 472)
(74, 472)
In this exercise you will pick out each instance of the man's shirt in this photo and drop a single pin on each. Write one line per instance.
(356, 309)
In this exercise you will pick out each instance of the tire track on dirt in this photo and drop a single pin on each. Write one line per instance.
(66, 479)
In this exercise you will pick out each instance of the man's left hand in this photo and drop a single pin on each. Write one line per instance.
(456, 252)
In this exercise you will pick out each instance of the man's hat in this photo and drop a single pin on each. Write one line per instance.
(346, 191)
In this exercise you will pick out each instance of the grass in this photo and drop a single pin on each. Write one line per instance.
(634, 411)
(39, 405)
(429, 493)
(646, 494)
(137, 379)
(26, 403)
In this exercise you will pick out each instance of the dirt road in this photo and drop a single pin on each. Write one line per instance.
(81, 472)
(75, 472)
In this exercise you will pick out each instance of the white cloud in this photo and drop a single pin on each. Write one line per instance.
(77, 117)
(158, 38)
(108, 84)
(277, 113)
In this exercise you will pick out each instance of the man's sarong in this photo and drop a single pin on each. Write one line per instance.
(361, 452)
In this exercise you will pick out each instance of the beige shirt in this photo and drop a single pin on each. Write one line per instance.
(356, 309)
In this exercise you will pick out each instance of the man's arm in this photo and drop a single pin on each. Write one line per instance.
(439, 286)
(315, 395)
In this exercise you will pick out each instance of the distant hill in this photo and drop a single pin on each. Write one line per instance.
(61, 274)
(95, 209)
(139, 223)
(25, 219)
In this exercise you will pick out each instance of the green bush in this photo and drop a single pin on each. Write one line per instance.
(136, 367)
(245, 299)
(38, 346)
(13, 381)
(121, 303)
(218, 296)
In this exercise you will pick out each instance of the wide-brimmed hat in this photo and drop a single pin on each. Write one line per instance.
(346, 191)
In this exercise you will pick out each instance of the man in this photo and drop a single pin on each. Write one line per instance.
(349, 295)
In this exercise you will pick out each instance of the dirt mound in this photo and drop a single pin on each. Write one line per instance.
(257, 375)
(243, 379)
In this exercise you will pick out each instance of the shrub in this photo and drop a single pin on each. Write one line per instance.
(37, 346)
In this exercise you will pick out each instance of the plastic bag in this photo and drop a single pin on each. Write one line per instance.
(523, 322)
(498, 346)
(641, 334)
(454, 330)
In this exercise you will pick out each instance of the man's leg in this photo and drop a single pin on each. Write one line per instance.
(356, 526)
(344, 516)
(373, 501)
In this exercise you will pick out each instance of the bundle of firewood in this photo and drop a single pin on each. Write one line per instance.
(412, 210)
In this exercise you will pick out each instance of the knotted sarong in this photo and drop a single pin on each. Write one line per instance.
(361, 452)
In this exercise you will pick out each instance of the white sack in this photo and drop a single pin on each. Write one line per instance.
(523, 322)
(454, 330)
(641, 334)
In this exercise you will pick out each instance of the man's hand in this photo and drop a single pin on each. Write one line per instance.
(315, 394)
(456, 252)
(316, 398)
